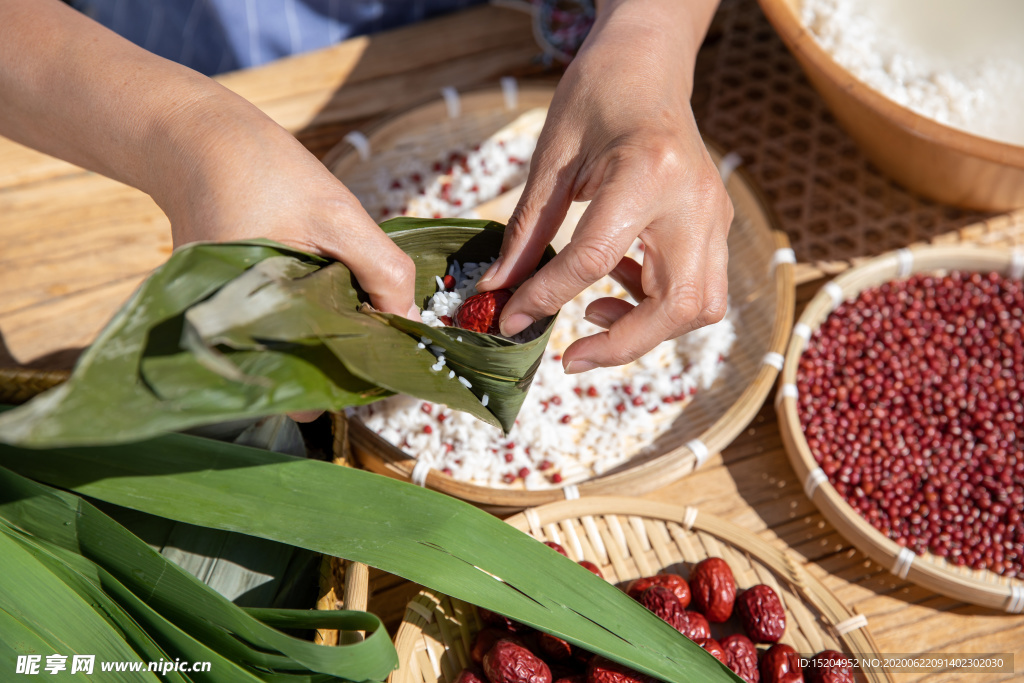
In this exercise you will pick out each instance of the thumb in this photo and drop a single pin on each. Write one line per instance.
(381, 268)
(536, 219)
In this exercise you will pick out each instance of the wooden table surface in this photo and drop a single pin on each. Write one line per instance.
(73, 245)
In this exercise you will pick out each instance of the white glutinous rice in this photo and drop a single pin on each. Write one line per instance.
(452, 183)
(959, 62)
(570, 427)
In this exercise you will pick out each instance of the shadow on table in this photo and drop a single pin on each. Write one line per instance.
(62, 359)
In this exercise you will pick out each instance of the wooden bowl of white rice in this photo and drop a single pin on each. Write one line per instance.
(609, 431)
(933, 92)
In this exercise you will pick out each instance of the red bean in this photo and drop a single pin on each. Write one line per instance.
(910, 399)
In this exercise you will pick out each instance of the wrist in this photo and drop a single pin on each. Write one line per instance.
(668, 31)
(197, 145)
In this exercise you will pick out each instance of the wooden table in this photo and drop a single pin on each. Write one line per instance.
(73, 245)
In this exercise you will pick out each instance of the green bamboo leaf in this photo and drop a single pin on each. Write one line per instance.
(245, 329)
(90, 556)
(420, 535)
(53, 619)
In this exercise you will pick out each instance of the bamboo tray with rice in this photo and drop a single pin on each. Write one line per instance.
(761, 285)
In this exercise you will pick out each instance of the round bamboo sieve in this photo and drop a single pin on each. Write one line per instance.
(432, 130)
(930, 571)
(18, 385)
(761, 286)
(628, 539)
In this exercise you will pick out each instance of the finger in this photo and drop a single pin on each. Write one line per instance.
(382, 270)
(629, 274)
(628, 338)
(607, 229)
(305, 415)
(537, 217)
(716, 283)
(674, 276)
(604, 312)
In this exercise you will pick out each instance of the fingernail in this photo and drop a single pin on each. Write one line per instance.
(414, 313)
(515, 323)
(489, 275)
(598, 319)
(575, 367)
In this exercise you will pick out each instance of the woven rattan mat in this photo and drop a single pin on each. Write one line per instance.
(751, 97)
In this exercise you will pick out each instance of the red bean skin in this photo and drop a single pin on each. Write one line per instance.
(910, 397)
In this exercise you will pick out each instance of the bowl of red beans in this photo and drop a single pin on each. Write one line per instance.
(902, 411)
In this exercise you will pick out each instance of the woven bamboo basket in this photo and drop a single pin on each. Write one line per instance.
(984, 588)
(343, 584)
(761, 285)
(18, 385)
(628, 539)
(431, 130)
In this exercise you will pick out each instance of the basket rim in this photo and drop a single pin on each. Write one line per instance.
(802, 43)
(809, 589)
(674, 464)
(536, 93)
(980, 587)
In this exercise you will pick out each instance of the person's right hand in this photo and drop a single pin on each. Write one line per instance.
(620, 132)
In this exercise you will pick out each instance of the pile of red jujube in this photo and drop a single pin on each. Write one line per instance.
(509, 652)
(911, 398)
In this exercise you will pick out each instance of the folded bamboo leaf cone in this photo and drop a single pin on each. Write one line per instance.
(243, 329)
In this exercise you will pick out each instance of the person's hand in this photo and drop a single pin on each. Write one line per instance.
(240, 175)
(620, 132)
(219, 167)
(243, 176)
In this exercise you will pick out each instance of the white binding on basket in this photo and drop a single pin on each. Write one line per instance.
(835, 292)
(452, 102)
(815, 478)
(786, 391)
(419, 473)
(783, 255)
(1017, 265)
(903, 561)
(360, 142)
(904, 262)
(728, 165)
(851, 624)
(700, 451)
(1015, 604)
(803, 331)
(533, 519)
(689, 517)
(510, 91)
(571, 492)
(421, 610)
(774, 359)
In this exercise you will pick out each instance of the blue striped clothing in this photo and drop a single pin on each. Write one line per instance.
(213, 36)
